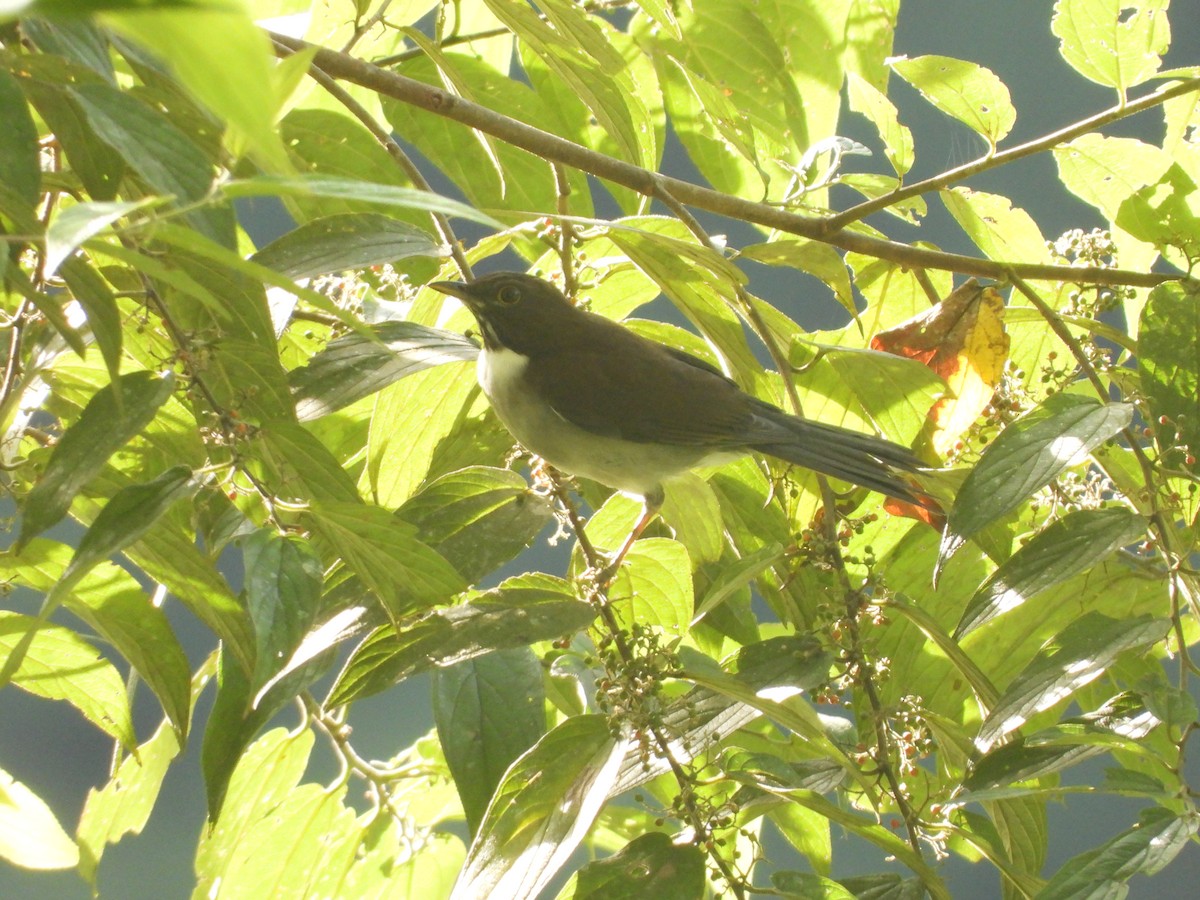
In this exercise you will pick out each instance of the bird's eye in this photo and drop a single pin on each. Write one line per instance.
(509, 294)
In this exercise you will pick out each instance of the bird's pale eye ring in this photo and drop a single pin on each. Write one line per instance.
(509, 294)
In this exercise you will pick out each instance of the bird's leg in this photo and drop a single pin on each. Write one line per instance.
(651, 504)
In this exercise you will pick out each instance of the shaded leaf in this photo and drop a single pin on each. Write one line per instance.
(1072, 545)
(1146, 848)
(1119, 724)
(158, 152)
(283, 588)
(736, 575)
(1168, 348)
(100, 306)
(651, 865)
(1028, 454)
(347, 241)
(478, 518)
(109, 420)
(488, 711)
(20, 162)
(220, 55)
(72, 226)
(127, 516)
(1080, 653)
(353, 190)
(520, 611)
(353, 366)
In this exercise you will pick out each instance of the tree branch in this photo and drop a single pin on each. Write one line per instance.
(995, 160)
(556, 149)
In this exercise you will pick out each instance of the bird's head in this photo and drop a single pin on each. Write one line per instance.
(516, 312)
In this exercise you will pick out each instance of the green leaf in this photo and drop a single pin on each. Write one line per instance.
(1168, 347)
(964, 90)
(895, 392)
(283, 579)
(20, 158)
(107, 423)
(270, 769)
(410, 421)
(1105, 171)
(489, 710)
(350, 189)
(347, 241)
(158, 152)
(98, 166)
(126, 517)
(698, 281)
(478, 518)
(811, 887)
(1029, 454)
(30, 836)
(124, 804)
(654, 587)
(592, 68)
(353, 366)
(1079, 654)
(519, 612)
(1166, 214)
(1068, 547)
(112, 603)
(72, 226)
(735, 575)
(1119, 725)
(652, 865)
(58, 664)
(524, 181)
(222, 58)
(1116, 43)
(541, 811)
(100, 306)
(999, 229)
(866, 99)
(817, 259)
(405, 575)
(1146, 848)
(693, 513)
(78, 40)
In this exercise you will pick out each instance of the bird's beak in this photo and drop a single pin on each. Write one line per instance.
(457, 289)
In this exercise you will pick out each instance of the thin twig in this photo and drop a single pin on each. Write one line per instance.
(566, 230)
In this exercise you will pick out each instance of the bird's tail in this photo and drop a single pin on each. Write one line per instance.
(861, 459)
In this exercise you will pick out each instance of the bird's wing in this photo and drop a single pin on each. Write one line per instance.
(648, 397)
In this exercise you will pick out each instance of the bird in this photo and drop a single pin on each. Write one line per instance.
(594, 399)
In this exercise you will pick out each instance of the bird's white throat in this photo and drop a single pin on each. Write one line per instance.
(499, 372)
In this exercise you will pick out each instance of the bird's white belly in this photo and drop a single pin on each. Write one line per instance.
(634, 468)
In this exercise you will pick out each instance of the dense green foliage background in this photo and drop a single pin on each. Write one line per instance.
(284, 443)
